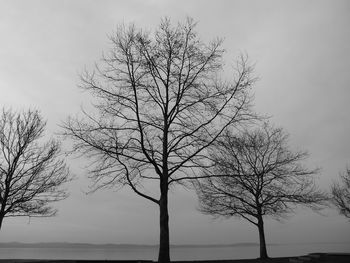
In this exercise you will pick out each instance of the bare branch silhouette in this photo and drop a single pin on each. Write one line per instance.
(31, 174)
(341, 194)
(256, 175)
(160, 104)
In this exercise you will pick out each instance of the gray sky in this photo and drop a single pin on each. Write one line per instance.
(302, 55)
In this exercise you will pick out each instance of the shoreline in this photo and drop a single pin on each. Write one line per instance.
(310, 258)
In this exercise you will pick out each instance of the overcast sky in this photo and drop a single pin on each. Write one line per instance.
(302, 55)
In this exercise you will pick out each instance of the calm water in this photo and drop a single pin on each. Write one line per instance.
(177, 253)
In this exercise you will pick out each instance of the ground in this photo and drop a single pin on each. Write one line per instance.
(311, 258)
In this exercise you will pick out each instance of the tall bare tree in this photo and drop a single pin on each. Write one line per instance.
(160, 104)
(341, 194)
(256, 175)
(31, 173)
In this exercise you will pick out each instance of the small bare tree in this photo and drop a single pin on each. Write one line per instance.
(30, 173)
(341, 194)
(161, 103)
(256, 175)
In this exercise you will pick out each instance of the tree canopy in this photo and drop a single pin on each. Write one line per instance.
(256, 175)
(341, 194)
(31, 172)
(161, 102)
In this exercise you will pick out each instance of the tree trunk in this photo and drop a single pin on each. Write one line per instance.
(1, 219)
(164, 254)
(263, 250)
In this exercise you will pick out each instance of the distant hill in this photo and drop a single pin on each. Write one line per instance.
(136, 246)
(111, 246)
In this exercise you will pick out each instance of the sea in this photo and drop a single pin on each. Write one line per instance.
(177, 252)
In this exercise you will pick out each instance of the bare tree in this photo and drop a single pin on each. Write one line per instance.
(30, 173)
(256, 175)
(161, 103)
(341, 194)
